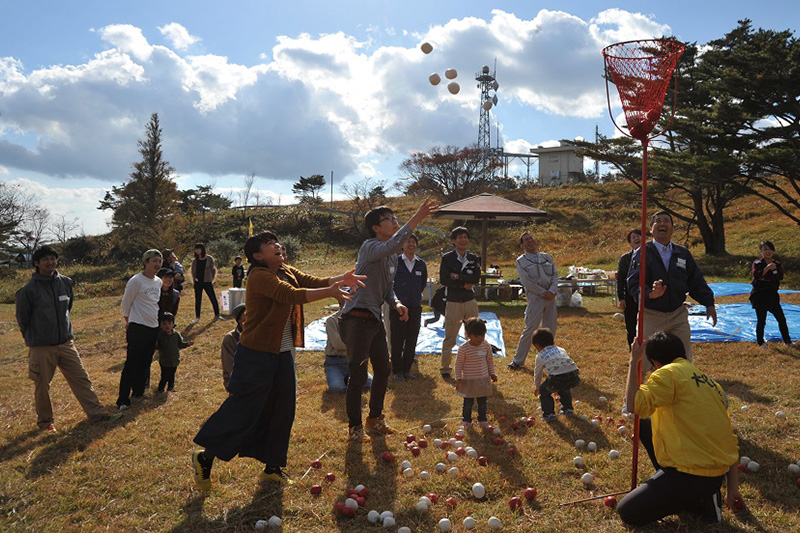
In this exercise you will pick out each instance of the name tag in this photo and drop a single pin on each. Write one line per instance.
(63, 298)
(418, 273)
(391, 270)
(681, 263)
(482, 353)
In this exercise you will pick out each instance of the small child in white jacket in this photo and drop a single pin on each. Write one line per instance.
(562, 375)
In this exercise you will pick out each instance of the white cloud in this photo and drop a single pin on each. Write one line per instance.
(178, 36)
(311, 104)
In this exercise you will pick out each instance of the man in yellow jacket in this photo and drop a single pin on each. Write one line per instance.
(686, 430)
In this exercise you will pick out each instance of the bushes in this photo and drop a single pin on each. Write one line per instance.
(224, 250)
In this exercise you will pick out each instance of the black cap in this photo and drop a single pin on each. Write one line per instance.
(165, 272)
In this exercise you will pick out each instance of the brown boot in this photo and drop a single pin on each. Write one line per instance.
(377, 426)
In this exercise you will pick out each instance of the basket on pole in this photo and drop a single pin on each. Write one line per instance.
(641, 71)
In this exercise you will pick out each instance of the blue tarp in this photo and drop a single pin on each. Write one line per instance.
(737, 323)
(429, 340)
(726, 288)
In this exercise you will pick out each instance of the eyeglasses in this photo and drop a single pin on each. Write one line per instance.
(392, 218)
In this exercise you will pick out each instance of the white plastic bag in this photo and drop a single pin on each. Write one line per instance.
(576, 300)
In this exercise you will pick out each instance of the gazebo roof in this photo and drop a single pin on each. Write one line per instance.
(487, 206)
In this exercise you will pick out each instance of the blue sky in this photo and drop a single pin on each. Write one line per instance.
(287, 89)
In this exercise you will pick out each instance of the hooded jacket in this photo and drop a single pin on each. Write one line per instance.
(43, 306)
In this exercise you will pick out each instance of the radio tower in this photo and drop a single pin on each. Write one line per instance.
(486, 83)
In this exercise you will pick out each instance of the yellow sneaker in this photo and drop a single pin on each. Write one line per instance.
(202, 472)
(277, 476)
(357, 435)
(378, 426)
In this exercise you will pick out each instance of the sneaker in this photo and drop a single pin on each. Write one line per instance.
(514, 366)
(196, 320)
(202, 472)
(409, 375)
(357, 434)
(219, 317)
(398, 377)
(550, 418)
(763, 346)
(378, 426)
(124, 407)
(484, 424)
(466, 425)
(108, 417)
(567, 412)
(49, 428)
(276, 475)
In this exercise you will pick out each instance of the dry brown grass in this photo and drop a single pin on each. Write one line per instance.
(135, 474)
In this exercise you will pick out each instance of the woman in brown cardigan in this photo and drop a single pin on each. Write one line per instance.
(256, 418)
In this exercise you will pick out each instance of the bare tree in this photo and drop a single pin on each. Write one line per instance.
(363, 195)
(244, 195)
(30, 233)
(63, 228)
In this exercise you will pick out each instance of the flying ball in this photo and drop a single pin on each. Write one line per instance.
(453, 87)
(450, 73)
(426, 48)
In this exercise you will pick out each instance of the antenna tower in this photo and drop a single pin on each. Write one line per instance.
(487, 83)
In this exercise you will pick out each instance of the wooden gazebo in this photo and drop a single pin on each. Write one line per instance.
(486, 207)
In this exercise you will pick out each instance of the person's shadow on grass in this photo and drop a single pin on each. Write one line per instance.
(267, 502)
(62, 446)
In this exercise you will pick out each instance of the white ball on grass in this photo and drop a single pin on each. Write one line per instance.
(794, 469)
(350, 502)
(472, 453)
(373, 516)
(427, 501)
(591, 447)
(587, 479)
(422, 507)
(260, 525)
(441, 467)
(753, 466)
(408, 473)
(452, 456)
(613, 454)
(275, 521)
(403, 466)
(424, 476)
(744, 460)
(780, 414)
(578, 461)
(385, 514)
(404, 529)
(745, 408)
(453, 471)
(389, 521)
(427, 428)
(444, 525)
(494, 523)
(359, 488)
(478, 490)
(580, 443)
(469, 523)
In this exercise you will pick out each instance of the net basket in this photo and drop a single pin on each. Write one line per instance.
(641, 71)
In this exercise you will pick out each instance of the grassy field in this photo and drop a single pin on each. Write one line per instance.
(134, 474)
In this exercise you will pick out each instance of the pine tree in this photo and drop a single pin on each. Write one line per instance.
(144, 206)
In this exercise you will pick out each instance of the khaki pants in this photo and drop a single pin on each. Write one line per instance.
(454, 314)
(42, 364)
(675, 322)
(538, 311)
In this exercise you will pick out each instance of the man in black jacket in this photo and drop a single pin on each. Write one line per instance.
(459, 272)
(670, 273)
(43, 307)
(625, 302)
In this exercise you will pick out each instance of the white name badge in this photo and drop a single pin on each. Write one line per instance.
(391, 270)
(418, 273)
(681, 262)
(64, 298)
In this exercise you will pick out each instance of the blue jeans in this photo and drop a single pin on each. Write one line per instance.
(337, 374)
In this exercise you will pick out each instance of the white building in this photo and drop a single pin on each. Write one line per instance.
(559, 165)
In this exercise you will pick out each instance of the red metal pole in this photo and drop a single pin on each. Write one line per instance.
(640, 320)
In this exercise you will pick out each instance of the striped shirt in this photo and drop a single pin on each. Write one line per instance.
(474, 362)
